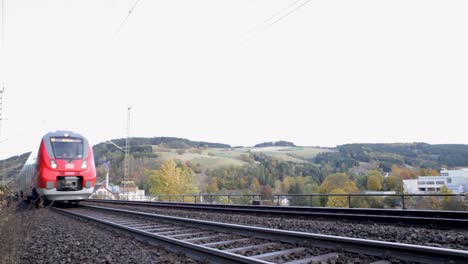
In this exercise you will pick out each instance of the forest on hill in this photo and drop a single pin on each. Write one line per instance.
(419, 155)
(270, 167)
(283, 167)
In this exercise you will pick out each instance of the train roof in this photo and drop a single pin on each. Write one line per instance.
(62, 133)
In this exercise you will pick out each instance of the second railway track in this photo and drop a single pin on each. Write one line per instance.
(442, 219)
(222, 243)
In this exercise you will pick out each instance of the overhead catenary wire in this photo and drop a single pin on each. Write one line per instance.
(272, 20)
(285, 15)
(126, 18)
(254, 28)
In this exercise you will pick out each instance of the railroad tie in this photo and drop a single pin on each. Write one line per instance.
(227, 242)
(272, 255)
(188, 234)
(247, 248)
(191, 240)
(318, 259)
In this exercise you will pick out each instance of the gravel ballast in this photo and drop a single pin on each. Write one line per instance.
(455, 239)
(60, 239)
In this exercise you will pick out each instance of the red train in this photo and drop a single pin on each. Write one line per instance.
(61, 170)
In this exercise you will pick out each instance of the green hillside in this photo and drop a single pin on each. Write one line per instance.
(222, 167)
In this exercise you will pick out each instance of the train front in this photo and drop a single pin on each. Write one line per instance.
(65, 168)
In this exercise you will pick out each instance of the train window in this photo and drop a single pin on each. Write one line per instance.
(67, 148)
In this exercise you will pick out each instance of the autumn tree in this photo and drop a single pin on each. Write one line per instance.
(255, 185)
(374, 183)
(396, 170)
(337, 201)
(452, 203)
(445, 190)
(404, 173)
(338, 181)
(266, 192)
(375, 173)
(394, 183)
(361, 181)
(287, 184)
(278, 186)
(213, 186)
(171, 179)
(428, 172)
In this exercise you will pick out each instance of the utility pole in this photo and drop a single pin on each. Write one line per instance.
(3, 23)
(1, 118)
(2, 91)
(1, 107)
(127, 151)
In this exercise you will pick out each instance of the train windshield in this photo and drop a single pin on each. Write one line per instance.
(67, 148)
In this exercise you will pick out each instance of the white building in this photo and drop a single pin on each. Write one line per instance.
(455, 180)
(130, 191)
(411, 186)
(101, 192)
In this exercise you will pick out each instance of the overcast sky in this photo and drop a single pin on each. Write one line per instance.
(330, 72)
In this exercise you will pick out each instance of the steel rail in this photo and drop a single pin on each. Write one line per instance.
(381, 249)
(191, 249)
(445, 219)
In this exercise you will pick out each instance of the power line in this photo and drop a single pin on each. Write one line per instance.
(251, 30)
(126, 18)
(272, 20)
(285, 15)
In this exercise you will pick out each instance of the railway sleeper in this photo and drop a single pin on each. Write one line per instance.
(265, 250)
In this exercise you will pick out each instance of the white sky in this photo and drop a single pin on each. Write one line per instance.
(333, 72)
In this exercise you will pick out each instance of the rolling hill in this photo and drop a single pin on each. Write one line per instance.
(275, 161)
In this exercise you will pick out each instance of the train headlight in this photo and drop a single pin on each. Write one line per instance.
(53, 164)
(84, 165)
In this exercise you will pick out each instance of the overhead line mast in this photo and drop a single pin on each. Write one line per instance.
(3, 23)
(1, 109)
(127, 152)
(1, 139)
(2, 91)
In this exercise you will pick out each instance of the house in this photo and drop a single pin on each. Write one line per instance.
(101, 192)
(130, 191)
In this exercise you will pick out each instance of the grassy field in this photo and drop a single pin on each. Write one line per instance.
(205, 160)
(219, 157)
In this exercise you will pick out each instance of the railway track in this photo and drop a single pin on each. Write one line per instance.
(230, 243)
(441, 219)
